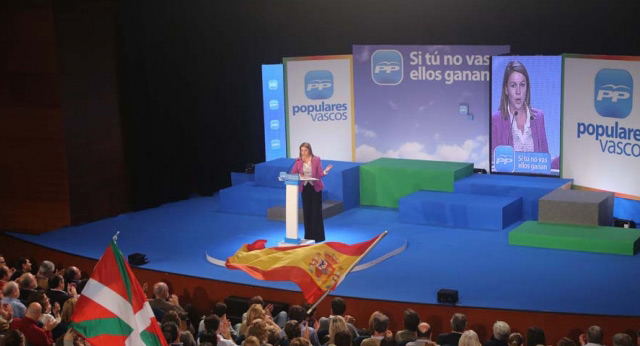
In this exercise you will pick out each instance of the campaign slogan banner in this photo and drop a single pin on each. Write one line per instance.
(526, 94)
(275, 137)
(423, 102)
(601, 123)
(320, 108)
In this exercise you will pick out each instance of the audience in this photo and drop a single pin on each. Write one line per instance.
(458, 324)
(11, 293)
(23, 266)
(31, 314)
(501, 331)
(535, 336)
(410, 333)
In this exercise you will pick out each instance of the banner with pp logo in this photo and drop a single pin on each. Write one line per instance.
(601, 123)
(387, 67)
(319, 107)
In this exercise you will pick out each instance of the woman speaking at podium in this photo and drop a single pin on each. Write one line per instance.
(310, 166)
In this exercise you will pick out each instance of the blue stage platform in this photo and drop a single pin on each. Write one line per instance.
(480, 264)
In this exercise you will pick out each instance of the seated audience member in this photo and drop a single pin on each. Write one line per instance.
(535, 336)
(469, 338)
(171, 333)
(28, 325)
(185, 336)
(593, 337)
(56, 290)
(5, 274)
(45, 271)
(337, 324)
(49, 315)
(515, 339)
(255, 311)
(411, 321)
(14, 337)
(65, 318)
(23, 266)
(11, 293)
(72, 275)
(251, 341)
(343, 338)
(258, 328)
(566, 342)
(501, 331)
(208, 339)
(28, 284)
(297, 312)
(6, 315)
(220, 310)
(291, 331)
(424, 336)
(622, 339)
(338, 308)
(458, 324)
(299, 342)
(165, 302)
(380, 330)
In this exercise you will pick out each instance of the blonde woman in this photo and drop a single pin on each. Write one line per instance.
(469, 338)
(336, 325)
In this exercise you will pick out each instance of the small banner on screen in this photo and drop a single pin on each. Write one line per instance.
(320, 105)
(275, 137)
(601, 123)
(525, 114)
(423, 102)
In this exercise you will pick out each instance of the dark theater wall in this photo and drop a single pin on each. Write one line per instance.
(190, 70)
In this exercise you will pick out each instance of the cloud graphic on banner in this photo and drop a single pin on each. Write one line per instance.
(472, 150)
(393, 105)
(364, 132)
(364, 56)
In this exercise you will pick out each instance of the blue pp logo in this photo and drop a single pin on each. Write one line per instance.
(503, 157)
(318, 85)
(273, 105)
(273, 84)
(275, 144)
(274, 124)
(386, 67)
(613, 93)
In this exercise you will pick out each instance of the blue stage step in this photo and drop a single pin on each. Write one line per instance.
(341, 184)
(460, 210)
(530, 189)
(249, 198)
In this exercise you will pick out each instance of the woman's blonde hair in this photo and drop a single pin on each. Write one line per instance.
(371, 318)
(469, 338)
(336, 325)
(258, 328)
(67, 309)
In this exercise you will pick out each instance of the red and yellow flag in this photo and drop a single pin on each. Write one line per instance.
(314, 268)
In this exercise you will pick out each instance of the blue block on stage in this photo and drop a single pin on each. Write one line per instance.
(240, 178)
(530, 189)
(460, 210)
(341, 184)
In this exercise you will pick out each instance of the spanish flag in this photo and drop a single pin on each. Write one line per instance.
(314, 268)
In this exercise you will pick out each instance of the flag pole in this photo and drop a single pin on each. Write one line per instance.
(382, 235)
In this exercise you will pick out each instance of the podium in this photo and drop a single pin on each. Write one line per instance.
(291, 182)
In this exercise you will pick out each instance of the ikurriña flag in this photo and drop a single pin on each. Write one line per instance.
(113, 309)
(314, 268)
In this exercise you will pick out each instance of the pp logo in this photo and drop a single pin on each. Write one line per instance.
(274, 124)
(387, 67)
(503, 157)
(275, 144)
(613, 93)
(318, 85)
(274, 105)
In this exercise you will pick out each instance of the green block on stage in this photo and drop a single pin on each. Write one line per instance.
(384, 181)
(603, 239)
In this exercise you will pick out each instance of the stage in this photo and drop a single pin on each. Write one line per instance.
(480, 264)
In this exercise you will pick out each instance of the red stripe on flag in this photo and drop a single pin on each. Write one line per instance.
(106, 339)
(87, 309)
(301, 277)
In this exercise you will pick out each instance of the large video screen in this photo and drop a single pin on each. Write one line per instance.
(525, 114)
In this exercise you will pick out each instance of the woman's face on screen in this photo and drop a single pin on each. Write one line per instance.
(304, 152)
(516, 90)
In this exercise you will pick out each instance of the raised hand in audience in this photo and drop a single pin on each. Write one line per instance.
(349, 319)
(173, 299)
(268, 309)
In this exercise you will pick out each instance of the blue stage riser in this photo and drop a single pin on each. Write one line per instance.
(248, 198)
(460, 210)
(530, 189)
